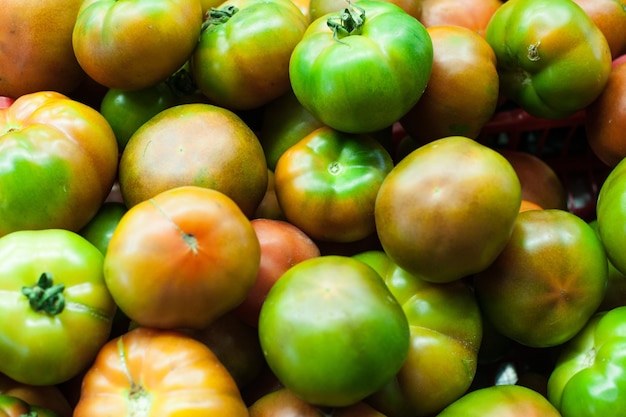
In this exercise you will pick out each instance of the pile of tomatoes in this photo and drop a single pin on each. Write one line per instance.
(282, 207)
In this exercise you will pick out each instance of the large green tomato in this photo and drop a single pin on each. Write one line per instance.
(551, 58)
(611, 216)
(588, 378)
(446, 332)
(332, 332)
(241, 61)
(362, 69)
(56, 309)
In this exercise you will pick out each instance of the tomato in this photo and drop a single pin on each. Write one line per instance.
(11, 406)
(283, 245)
(134, 45)
(529, 205)
(501, 401)
(447, 209)
(611, 215)
(45, 396)
(68, 169)
(354, 77)
(540, 182)
(319, 8)
(326, 184)
(283, 402)
(588, 376)
(605, 119)
(268, 208)
(100, 228)
(610, 17)
(332, 332)
(615, 295)
(194, 144)
(158, 373)
(242, 58)
(473, 15)
(36, 53)
(446, 332)
(547, 282)
(285, 121)
(463, 89)
(52, 287)
(182, 258)
(541, 48)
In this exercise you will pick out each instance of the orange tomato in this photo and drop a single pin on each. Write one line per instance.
(529, 205)
(158, 373)
(472, 14)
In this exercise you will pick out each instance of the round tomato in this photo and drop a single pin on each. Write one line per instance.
(194, 144)
(326, 184)
(134, 45)
(152, 372)
(611, 215)
(447, 209)
(36, 53)
(242, 58)
(501, 401)
(354, 77)
(182, 258)
(332, 332)
(540, 47)
(58, 162)
(52, 287)
(463, 89)
(547, 282)
(283, 245)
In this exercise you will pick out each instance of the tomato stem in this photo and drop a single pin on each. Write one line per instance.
(349, 22)
(44, 296)
(215, 16)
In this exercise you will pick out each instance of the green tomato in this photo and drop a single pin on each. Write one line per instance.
(56, 309)
(611, 216)
(11, 406)
(588, 378)
(332, 332)
(551, 58)
(362, 69)
(446, 332)
(100, 228)
(326, 184)
(241, 61)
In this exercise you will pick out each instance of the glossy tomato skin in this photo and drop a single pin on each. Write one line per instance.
(470, 14)
(326, 184)
(75, 322)
(366, 81)
(161, 372)
(463, 89)
(182, 258)
(100, 228)
(539, 48)
(69, 168)
(331, 331)
(610, 17)
(194, 144)
(241, 35)
(611, 215)
(547, 282)
(37, 52)
(283, 245)
(446, 333)
(584, 381)
(447, 209)
(501, 401)
(133, 45)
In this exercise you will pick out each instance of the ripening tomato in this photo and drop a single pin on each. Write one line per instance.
(470, 14)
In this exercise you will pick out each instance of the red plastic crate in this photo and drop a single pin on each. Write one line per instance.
(561, 143)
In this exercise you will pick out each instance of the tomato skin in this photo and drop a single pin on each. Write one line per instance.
(133, 45)
(261, 34)
(100, 228)
(161, 372)
(194, 144)
(446, 332)
(501, 401)
(362, 83)
(444, 224)
(182, 258)
(611, 215)
(326, 184)
(539, 47)
(76, 332)
(46, 396)
(472, 14)
(547, 282)
(69, 168)
(321, 328)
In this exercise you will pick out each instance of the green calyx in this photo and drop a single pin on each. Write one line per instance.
(45, 296)
(349, 22)
(218, 16)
